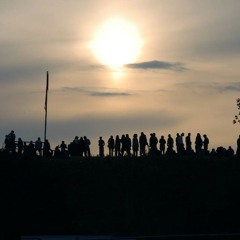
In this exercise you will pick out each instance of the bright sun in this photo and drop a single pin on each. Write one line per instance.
(117, 42)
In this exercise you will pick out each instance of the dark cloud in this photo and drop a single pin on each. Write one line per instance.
(155, 64)
(109, 94)
(99, 92)
(224, 87)
(234, 87)
(212, 86)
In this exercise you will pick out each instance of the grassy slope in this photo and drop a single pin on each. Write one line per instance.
(120, 196)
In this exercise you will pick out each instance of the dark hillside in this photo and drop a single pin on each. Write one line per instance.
(133, 196)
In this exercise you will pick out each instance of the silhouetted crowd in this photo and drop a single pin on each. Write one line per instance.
(120, 146)
(125, 146)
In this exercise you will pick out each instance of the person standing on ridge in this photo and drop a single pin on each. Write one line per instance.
(198, 144)
(101, 145)
(205, 144)
(117, 146)
(38, 146)
(135, 145)
(87, 144)
(143, 143)
(111, 146)
(162, 147)
(188, 143)
(170, 143)
(238, 146)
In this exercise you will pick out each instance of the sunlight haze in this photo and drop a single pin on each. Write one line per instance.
(116, 43)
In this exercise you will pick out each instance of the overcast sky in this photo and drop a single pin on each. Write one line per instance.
(185, 79)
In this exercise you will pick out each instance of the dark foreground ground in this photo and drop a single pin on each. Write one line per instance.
(125, 196)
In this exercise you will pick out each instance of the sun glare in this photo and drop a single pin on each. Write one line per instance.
(117, 42)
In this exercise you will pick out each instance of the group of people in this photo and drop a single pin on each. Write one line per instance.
(27, 148)
(184, 146)
(119, 146)
(78, 147)
(122, 146)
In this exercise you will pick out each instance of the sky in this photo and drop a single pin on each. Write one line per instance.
(184, 77)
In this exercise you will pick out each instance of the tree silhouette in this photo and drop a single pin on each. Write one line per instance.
(237, 117)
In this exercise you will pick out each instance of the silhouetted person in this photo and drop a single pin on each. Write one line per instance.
(101, 145)
(63, 149)
(12, 136)
(188, 143)
(198, 144)
(205, 144)
(128, 145)
(81, 145)
(213, 153)
(74, 147)
(123, 145)
(117, 146)
(111, 146)
(221, 151)
(238, 146)
(230, 152)
(47, 152)
(135, 145)
(38, 146)
(170, 143)
(31, 148)
(27, 151)
(153, 141)
(162, 146)
(179, 144)
(87, 144)
(10, 142)
(20, 146)
(143, 143)
(57, 152)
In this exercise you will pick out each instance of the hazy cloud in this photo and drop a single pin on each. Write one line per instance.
(109, 94)
(155, 64)
(233, 87)
(212, 86)
(99, 92)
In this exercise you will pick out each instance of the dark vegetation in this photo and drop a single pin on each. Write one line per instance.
(118, 196)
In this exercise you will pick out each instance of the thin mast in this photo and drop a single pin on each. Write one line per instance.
(45, 107)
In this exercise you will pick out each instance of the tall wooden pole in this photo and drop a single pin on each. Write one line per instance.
(45, 107)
